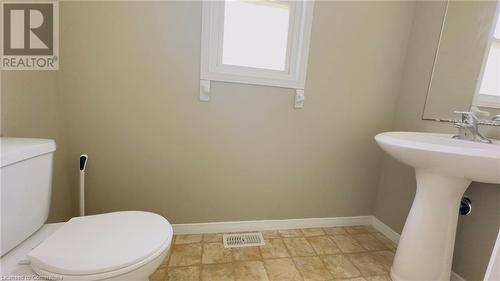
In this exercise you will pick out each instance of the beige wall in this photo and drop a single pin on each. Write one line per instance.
(476, 232)
(30, 108)
(129, 82)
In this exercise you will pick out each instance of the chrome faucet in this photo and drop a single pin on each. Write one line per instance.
(468, 127)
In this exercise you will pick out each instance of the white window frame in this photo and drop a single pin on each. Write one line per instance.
(485, 100)
(294, 75)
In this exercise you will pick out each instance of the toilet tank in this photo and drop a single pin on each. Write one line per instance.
(26, 179)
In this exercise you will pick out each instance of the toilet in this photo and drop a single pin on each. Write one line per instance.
(128, 245)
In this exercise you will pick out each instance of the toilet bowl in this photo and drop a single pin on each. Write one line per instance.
(114, 246)
(127, 245)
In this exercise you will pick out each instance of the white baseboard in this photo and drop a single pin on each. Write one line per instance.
(237, 226)
(385, 229)
(455, 277)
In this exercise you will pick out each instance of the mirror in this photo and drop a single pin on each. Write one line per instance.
(466, 69)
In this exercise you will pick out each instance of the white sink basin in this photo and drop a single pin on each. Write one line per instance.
(444, 168)
(440, 153)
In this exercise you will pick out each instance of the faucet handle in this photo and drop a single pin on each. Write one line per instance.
(467, 114)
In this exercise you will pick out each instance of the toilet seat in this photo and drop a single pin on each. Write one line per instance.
(101, 246)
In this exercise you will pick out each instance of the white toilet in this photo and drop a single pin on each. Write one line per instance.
(126, 245)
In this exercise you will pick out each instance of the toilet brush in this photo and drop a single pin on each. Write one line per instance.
(83, 165)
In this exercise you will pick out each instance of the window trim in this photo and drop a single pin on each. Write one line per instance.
(294, 75)
(485, 100)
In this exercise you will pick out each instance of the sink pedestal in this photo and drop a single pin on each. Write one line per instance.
(426, 245)
(445, 167)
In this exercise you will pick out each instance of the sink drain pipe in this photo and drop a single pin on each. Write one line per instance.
(465, 206)
(83, 166)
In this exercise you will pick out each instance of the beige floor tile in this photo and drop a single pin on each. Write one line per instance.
(335, 231)
(340, 267)
(299, 247)
(358, 229)
(323, 245)
(270, 234)
(290, 233)
(191, 273)
(308, 232)
(187, 239)
(386, 241)
(312, 269)
(274, 248)
(184, 255)
(378, 278)
(215, 253)
(212, 237)
(246, 254)
(250, 271)
(164, 263)
(352, 279)
(369, 242)
(282, 270)
(384, 257)
(217, 272)
(347, 244)
(368, 264)
(159, 275)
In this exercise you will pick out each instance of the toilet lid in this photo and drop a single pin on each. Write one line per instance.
(102, 243)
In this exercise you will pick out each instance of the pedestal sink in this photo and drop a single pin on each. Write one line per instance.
(444, 168)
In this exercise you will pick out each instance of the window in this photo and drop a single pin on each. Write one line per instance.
(489, 90)
(262, 42)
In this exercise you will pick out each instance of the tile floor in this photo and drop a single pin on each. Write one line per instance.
(355, 253)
